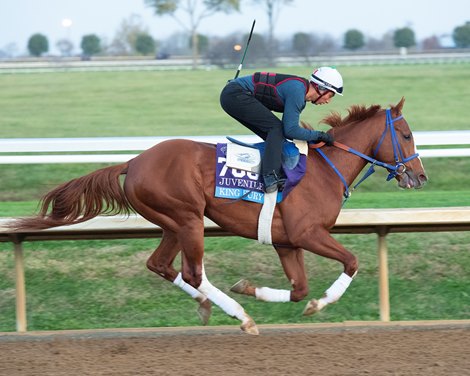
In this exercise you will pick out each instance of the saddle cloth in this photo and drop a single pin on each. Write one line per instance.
(243, 183)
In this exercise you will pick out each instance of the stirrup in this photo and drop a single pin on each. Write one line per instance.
(273, 182)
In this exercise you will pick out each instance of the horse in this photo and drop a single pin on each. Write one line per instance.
(172, 186)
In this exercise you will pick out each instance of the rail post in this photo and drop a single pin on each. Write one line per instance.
(21, 324)
(384, 295)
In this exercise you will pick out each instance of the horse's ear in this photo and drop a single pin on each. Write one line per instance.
(397, 109)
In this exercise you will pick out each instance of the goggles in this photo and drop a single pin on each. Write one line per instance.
(324, 88)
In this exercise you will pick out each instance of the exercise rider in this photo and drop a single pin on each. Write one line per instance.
(250, 100)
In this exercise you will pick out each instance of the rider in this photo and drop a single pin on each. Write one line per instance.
(250, 100)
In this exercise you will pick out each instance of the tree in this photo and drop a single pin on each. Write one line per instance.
(203, 43)
(124, 42)
(384, 43)
(145, 44)
(273, 8)
(195, 11)
(91, 45)
(404, 37)
(353, 39)
(65, 47)
(461, 35)
(227, 51)
(431, 43)
(222, 50)
(38, 44)
(259, 49)
(302, 44)
(326, 44)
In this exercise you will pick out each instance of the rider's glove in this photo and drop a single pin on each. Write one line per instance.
(324, 137)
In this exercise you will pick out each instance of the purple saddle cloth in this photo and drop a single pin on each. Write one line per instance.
(239, 184)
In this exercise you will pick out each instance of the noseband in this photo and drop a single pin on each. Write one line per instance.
(398, 156)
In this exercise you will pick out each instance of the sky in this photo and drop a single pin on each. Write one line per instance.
(19, 19)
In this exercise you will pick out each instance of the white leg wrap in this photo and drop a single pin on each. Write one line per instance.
(272, 295)
(187, 288)
(336, 290)
(226, 303)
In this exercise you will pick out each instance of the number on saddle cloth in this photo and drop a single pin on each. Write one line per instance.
(241, 183)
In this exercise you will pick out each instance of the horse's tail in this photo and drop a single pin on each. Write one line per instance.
(80, 199)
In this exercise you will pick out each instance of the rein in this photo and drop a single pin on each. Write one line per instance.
(394, 171)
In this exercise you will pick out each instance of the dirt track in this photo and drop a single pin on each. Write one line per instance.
(342, 349)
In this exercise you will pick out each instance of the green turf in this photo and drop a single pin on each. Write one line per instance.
(98, 284)
(161, 103)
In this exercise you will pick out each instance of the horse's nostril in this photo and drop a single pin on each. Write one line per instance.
(423, 178)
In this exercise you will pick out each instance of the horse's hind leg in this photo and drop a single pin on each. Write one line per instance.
(191, 238)
(161, 260)
(292, 261)
(161, 263)
(228, 305)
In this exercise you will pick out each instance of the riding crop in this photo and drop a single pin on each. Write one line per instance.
(246, 48)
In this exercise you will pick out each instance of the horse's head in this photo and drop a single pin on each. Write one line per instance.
(396, 147)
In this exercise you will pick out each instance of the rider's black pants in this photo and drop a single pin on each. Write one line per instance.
(244, 107)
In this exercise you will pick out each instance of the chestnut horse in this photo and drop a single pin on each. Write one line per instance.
(172, 185)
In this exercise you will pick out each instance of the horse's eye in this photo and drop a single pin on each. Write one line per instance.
(407, 136)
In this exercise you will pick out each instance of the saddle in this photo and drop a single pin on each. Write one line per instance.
(237, 169)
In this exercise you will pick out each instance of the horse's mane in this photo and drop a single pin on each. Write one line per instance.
(356, 113)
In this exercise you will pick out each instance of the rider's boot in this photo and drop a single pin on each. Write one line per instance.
(273, 181)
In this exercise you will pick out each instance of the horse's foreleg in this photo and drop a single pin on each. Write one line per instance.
(292, 261)
(332, 295)
(161, 263)
(325, 245)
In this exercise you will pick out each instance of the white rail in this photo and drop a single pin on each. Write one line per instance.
(26, 149)
(185, 62)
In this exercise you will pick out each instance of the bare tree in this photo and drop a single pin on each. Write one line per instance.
(273, 9)
(65, 47)
(126, 35)
(194, 12)
(431, 43)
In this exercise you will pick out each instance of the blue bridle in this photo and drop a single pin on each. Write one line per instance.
(399, 158)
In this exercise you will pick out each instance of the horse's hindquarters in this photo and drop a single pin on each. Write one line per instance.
(163, 184)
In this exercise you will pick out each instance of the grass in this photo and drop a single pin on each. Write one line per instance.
(98, 284)
(89, 104)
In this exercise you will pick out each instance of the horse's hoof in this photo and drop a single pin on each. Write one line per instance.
(204, 311)
(249, 327)
(240, 287)
(313, 306)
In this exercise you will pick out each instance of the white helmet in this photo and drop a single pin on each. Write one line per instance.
(328, 78)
